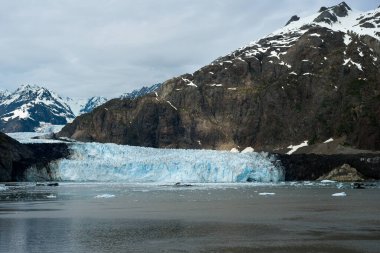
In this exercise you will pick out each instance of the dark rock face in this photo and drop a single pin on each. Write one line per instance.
(292, 19)
(10, 151)
(17, 158)
(326, 17)
(301, 167)
(330, 15)
(341, 10)
(310, 84)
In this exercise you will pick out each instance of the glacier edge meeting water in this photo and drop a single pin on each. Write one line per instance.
(120, 163)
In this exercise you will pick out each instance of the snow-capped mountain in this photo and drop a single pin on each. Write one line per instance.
(315, 79)
(337, 19)
(24, 109)
(31, 107)
(141, 92)
(3, 94)
(84, 105)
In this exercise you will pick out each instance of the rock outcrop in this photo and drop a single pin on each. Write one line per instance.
(17, 158)
(344, 173)
(309, 81)
(299, 167)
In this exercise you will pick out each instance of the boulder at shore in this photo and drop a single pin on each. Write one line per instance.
(344, 173)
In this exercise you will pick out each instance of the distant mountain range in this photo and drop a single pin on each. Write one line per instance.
(32, 107)
(141, 92)
(25, 109)
(315, 79)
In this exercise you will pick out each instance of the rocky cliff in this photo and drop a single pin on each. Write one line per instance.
(316, 78)
(299, 167)
(16, 158)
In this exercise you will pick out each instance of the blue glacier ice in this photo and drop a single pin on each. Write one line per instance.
(111, 162)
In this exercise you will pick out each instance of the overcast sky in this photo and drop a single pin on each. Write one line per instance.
(82, 48)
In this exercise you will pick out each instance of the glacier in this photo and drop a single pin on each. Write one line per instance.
(120, 163)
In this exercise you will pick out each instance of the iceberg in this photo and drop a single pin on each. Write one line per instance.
(121, 163)
(339, 194)
(104, 196)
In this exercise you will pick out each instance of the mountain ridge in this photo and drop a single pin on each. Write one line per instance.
(314, 79)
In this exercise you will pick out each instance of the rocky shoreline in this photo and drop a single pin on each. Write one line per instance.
(299, 167)
(17, 159)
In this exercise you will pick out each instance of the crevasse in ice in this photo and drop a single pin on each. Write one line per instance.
(111, 162)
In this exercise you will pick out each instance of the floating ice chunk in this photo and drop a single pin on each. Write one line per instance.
(104, 196)
(51, 196)
(267, 193)
(3, 188)
(329, 140)
(294, 148)
(339, 194)
(248, 150)
(328, 181)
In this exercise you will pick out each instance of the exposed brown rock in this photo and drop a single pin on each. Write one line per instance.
(344, 173)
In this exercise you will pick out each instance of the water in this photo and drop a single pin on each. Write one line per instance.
(121, 217)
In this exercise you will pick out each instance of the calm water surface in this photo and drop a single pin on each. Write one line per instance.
(112, 217)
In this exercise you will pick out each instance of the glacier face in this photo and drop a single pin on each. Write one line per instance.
(111, 162)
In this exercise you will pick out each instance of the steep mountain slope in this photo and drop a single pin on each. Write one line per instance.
(3, 94)
(30, 107)
(141, 92)
(316, 78)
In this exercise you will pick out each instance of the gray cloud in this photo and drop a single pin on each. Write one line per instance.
(108, 47)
